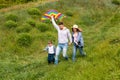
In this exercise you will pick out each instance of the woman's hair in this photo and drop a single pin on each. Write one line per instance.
(75, 28)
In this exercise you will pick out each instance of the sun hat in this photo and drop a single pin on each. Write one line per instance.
(76, 26)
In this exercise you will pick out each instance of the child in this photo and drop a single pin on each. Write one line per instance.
(51, 52)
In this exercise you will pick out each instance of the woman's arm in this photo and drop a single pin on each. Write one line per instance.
(81, 39)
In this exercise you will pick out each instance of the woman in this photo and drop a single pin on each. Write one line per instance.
(77, 40)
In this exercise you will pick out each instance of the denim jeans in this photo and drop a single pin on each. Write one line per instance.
(60, 47)
(51, 58)
(75, 47)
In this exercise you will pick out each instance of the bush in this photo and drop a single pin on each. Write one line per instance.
(3, 6)
(31, 22)
(24, 28)
(24, 40)
(24, 1)
(33, 11)
(11, 24)
(49, 36)
(42, 27)
(117, 2)
(12, 17)
(69, 13)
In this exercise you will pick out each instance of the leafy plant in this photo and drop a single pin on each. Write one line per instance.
(24, 1)
(12, 17)
(3, 6)
(42, 27)
(24, 40)
(33, 11)
(24, 28)
(10, 24)
(69, 13)
(117, 2)
(31, 22)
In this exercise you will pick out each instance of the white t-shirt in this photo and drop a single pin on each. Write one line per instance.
(51, 49)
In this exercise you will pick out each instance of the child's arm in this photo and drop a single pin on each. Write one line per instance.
(46, 48)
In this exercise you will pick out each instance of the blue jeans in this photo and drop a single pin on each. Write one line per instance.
(75, 47)
(60, 47)
(51, 58)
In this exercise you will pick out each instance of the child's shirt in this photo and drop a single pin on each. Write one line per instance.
(50, 49)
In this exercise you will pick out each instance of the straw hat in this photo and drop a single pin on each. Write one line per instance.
(76, 26)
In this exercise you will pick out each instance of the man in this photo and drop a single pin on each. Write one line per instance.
(63, 36)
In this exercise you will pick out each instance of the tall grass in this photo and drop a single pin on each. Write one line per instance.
(99, 20)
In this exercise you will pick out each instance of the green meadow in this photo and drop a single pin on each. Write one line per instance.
(23, 37)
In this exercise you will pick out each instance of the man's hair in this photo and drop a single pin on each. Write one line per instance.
(60, 23)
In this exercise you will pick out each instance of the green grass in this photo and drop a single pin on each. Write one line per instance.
(99, 20)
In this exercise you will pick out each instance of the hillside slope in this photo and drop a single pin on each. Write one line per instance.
(24, 59)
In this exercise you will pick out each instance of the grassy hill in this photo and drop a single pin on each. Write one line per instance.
(23, 37)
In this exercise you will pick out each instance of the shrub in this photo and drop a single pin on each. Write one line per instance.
(117, 2)
(24, 40)
(69, 13)
(31, 22)
(33, 11)
(24, 1)
(42, 27)
(12, 17)
(3, 6)
(24, 28)
(49, 36)
(10, 24)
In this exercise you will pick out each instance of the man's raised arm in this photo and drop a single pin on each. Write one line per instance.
(54, 23)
